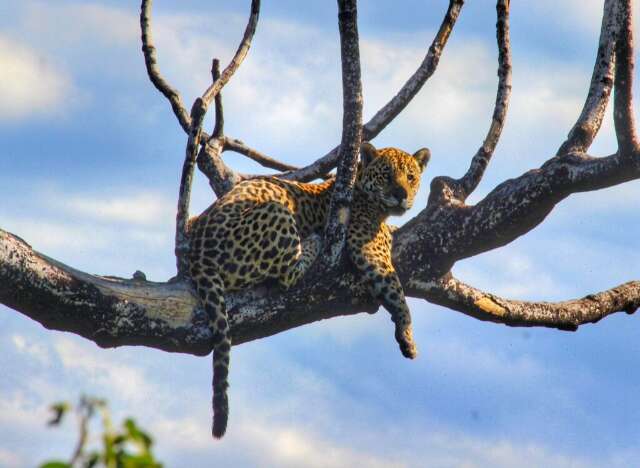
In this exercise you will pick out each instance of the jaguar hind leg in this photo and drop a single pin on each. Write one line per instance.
(307, 254)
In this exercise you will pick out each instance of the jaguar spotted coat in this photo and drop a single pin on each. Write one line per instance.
(267, 228)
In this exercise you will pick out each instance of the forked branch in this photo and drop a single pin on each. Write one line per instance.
(392, 109)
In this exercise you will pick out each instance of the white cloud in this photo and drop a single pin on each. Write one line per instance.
(104, 371)
(508, 272)
(31, 84)
(10, 459)
(34, 350)
(577, 15)
(144, 208)
(75, 24)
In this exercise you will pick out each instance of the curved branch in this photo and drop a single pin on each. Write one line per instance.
(389, 111)
(566, 315)
(468, 183)
(586, 128)
(150, 60)
(239, 56)
(623, 115)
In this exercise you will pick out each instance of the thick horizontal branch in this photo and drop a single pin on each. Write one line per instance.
(108, 311)
(115, 312)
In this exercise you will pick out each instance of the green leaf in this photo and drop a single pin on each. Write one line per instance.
(59, 410)
(55, 464)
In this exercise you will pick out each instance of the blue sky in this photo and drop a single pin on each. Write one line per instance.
(89, 170)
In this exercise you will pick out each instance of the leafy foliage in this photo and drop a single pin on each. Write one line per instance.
(128, 446)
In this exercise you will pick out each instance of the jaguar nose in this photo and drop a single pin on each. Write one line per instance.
(399, 193)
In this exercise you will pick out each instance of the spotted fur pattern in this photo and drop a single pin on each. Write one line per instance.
(267, 228)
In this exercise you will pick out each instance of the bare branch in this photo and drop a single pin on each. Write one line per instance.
(239, 56)
(218, 129)
(414, 84)
(149, 51)
(444, 233)
(623, 88)
(586, 128)
(237, 146)
(338, 217)
(468, 183)
(115, 312)
(389, 111)
(566, 315)
(198, 111)
(109, 311)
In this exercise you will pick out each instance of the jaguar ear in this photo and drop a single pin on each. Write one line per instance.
(422, 156)
(368, 153)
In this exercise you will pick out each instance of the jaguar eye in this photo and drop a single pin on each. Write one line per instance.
(411, 177)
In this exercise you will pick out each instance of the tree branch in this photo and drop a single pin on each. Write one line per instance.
(586, 128)
(389, 111)
(237, 146)
(221, 177)
(566, 315)
(150, 60)
(198, 111)
(239, 56)
(444, 233)
(468, 183)
(623, 115)
(338, 216)
(116, 312)
(218, 129)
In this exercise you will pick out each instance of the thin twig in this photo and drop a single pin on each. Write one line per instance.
(480, 161)
(623, 88)
(218, 129)
(239, 56)
(237, 146)
(586, 128)
(389, 111)
(338, 217)
(150, 60)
